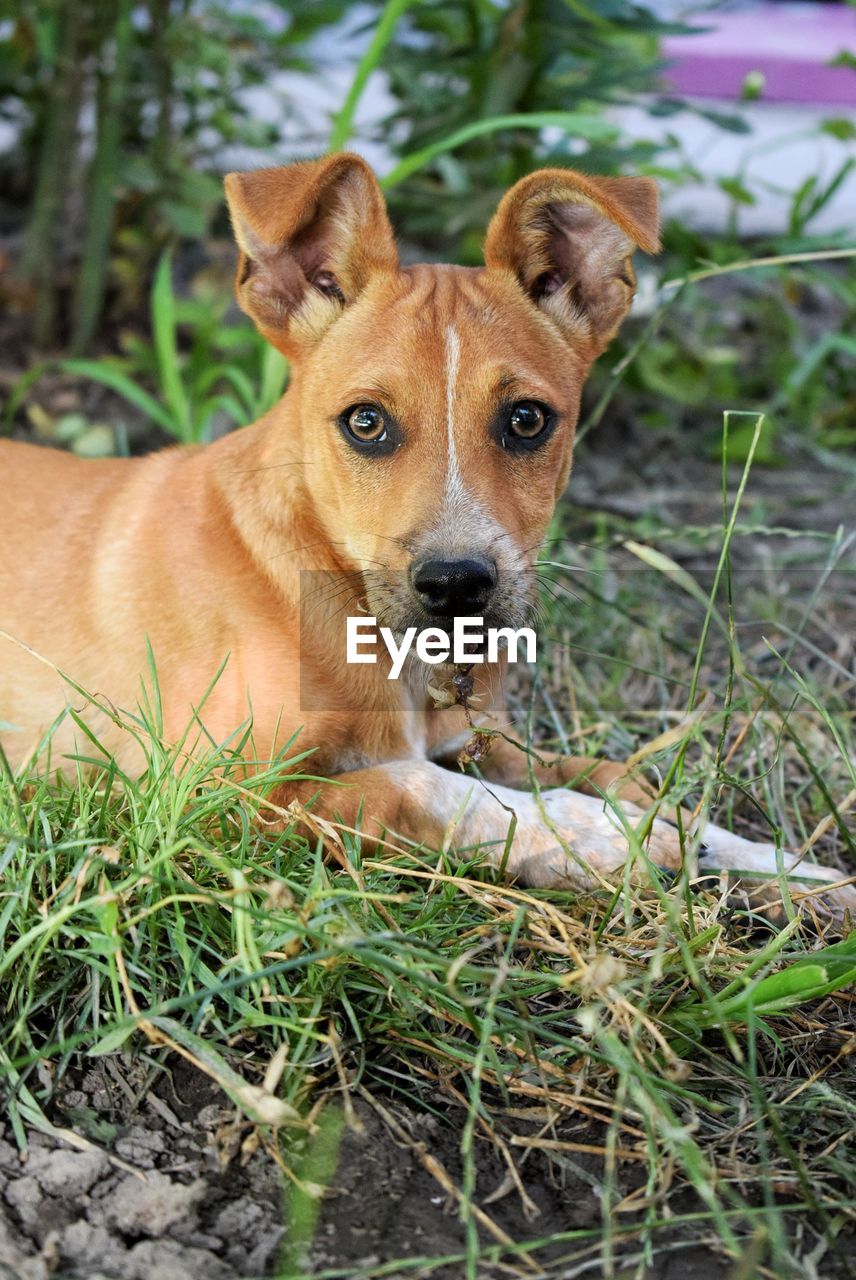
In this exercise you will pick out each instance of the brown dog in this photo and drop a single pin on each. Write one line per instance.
(409, 473)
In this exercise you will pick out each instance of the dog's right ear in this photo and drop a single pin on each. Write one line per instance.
(310, 236)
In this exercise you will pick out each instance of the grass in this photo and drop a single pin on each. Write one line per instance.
(675, 1035)
(205, 373)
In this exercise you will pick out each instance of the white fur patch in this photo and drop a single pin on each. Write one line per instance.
(454, 482)
(314, 316)
(463, 521)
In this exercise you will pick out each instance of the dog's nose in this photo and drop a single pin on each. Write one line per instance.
(454, 588)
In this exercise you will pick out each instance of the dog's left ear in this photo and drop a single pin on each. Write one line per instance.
(569, 240)
(311, 235)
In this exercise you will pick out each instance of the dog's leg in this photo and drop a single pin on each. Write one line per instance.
(560, 838)
(435, 807)
(514, 767)
(720, 849)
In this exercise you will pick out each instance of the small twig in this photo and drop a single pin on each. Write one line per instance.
(586, 1148)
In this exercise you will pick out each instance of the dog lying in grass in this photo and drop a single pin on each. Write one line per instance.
(409, 474)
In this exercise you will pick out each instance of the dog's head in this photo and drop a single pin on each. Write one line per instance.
(436, 405)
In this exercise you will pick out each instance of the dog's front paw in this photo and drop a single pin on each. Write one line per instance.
(574, 841)
(758, 866)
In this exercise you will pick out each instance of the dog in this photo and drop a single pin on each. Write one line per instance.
(415, 462)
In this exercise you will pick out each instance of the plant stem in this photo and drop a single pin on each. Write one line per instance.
(747, 264)
(343, 121)
(112, 84)
(40, 265)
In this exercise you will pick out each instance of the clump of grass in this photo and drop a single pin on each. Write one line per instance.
(289, 970)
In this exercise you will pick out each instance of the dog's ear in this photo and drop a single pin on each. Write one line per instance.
(569, 240)
(310, 237)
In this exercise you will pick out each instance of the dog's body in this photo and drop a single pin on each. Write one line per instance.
(410, 472)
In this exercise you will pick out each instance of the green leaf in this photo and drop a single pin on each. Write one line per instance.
(113, 1040)
(808, 978)
(839, 957)
(736, 190)
(109, 376)
(166, 349)
(666, 565)
(236, 377)
(262, 1106)
(21, 388)
(343, 121)
(273, 380)
(792, 986)
(582, 126)
(840, 127)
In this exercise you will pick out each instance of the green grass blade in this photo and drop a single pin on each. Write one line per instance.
(343, 121)
(809, 978)
(260, 1104)
(21, 388)
(314, 1175)
(166, 349)
(115, 380)
(273, 380)
(595, 128)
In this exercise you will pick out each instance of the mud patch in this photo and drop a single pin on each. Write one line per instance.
(174, 1190)
(156, 1198)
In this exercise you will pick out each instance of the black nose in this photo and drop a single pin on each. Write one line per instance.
(454, 588)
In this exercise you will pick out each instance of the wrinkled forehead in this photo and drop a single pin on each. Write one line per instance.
(413, 332)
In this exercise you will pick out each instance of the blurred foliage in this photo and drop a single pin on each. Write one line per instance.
(125, 114)
(208, 375)
(452, 64)
(774, 338)
(123, 111)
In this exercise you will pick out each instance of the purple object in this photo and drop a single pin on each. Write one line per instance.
(790, 44)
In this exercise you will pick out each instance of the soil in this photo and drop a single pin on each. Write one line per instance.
(163, 1191)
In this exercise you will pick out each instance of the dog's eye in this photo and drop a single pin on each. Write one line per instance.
(527, 425)
(527, 420)
(366, 423)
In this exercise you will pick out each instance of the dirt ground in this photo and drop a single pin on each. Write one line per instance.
(162, 1193)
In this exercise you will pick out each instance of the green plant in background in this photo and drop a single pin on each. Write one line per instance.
(225, 374)
(483, 93)
(165, 84)
(515, 86)
(778, 337)
(772, 334)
